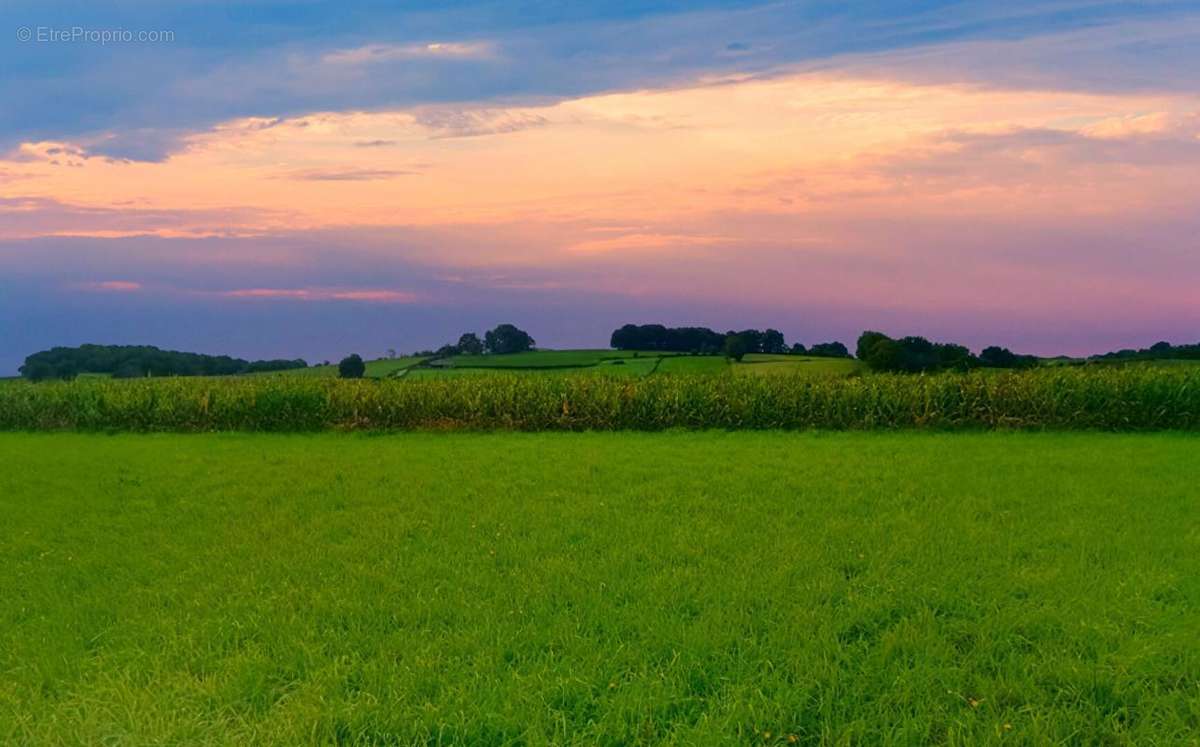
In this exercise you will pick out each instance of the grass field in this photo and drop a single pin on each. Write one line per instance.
(684, 588)
(555, 362)
(625, 362)
(695, 364)
(594, 361)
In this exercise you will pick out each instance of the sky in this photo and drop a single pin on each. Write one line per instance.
(310, 179)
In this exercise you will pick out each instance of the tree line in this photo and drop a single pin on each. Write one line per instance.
(916, 355)
(1157, 351)
(704, 341)
(135, 361)
(878, 351)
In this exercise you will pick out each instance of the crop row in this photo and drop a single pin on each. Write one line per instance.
(1062, 398)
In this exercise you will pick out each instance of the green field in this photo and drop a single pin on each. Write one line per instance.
(546, 358)
(639, 364)
(537, 364)
(695, 364)
(551, 362)
(592, 361)
(376, 369)
(757, 364)
(685, 588)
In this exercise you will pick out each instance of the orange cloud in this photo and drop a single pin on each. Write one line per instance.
(746, 160)
(645, 242)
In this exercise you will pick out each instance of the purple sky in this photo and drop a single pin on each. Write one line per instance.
(279, 180)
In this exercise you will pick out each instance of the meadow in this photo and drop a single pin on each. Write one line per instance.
(1085, 397)
(549, 359)
(757, 364)
(532, 364)
(376, 369)
(585, 361)
(600, 589)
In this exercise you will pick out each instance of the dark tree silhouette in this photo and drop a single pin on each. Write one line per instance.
(866, 341)
(912, 354)
(352, 367)
(753, 339)
(670, 339)
(998, 357)
(829, 350)
(507, 338)
(735, 347)
(773, 342)
(1157, 351)
(470, 344)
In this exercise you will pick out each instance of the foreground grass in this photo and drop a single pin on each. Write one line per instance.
(688, 588)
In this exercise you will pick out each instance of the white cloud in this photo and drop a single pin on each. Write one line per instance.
(376, 53)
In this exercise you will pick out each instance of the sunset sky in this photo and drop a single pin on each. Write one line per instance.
(317, 178)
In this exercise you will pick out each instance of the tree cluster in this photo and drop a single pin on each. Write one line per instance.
(134, 361)
(998, 357)
(505, 338)
(766, 341)
(704, 341)
(826, 350)
(917, 354)
(667, 339)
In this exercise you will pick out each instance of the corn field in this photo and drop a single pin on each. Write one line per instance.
(1131, 398)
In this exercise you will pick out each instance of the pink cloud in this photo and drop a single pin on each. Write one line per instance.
(33, 216)
(111, 286)
(368, 295)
